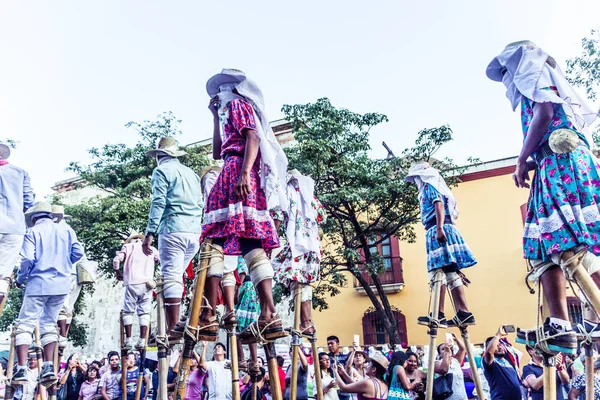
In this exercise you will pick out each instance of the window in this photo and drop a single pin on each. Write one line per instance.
(384, 249)
(374, 332)
(389, 250)
(575, 309)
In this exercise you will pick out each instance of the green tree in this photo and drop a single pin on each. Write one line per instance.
(584, 70)
(366, 199)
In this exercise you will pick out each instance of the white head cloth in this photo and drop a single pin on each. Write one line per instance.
(208, 181)
(302, 230)
(526, 70)
(273, 165)
(421, 173)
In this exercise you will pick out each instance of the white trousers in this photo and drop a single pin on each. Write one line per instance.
(66, 311)
(176, 250)
(42, 311)
(138, 299)
(10, 246)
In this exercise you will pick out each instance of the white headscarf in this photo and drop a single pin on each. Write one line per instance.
(527, 70)
(421, 173)
(302, 230)
(273, 165)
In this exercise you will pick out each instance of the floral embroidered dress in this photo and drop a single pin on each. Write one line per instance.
(454, 254)
(562, 210)
(304, 268)
(248, 307)
(226, 215)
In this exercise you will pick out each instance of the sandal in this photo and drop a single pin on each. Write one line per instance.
(229, 321)
(309, 332)
(208, 330)
(178, 330)
(263, 330)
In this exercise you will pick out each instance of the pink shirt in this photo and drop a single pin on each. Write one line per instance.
(138, 267)
(88, 390)
(194, 387)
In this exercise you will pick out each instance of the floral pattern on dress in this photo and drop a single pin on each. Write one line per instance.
(305, 268)
(562, 210)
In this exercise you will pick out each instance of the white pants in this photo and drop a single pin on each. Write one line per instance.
(138, 298)
(42, 311)
(66, 312)
(176, 250)
(10, 246)
(451, 279)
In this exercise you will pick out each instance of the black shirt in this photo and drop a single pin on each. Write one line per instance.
(503, 379)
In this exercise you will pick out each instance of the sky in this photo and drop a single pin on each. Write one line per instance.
(74, 73)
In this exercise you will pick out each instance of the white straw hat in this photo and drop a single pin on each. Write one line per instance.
(227, 75)
(167, 145)
(4, 151)
(58, 210)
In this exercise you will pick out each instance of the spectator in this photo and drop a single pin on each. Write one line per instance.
(330, 389)
(3, 379)
(355, 365)
(579, 383)
(500, 374)
(373, 388)
(132, 375)
(110, 386)
(301, 383)
(89, 388)
(73, 377)
(196, 378)
(448, 363)
(281, 372)
(409, 379)
(219, 377)
(27, 390)
(260, 382)
(337, 357)
(533, 376)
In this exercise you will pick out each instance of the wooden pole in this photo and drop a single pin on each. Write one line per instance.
(433, 328)
(195, 308)
(10, 390)
(38, 356)
(53, 388)
(235, 373)
(584, 281)
(273, 371)
(589, 370)
(161, 337)
(465, 335)
(317, 366)
(138, 388)
(549, 377)
(123, 360)
(296, 341)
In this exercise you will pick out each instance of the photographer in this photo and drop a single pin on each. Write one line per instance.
(499, 372)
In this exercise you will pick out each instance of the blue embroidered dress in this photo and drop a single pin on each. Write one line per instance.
(454, 254)
(562, 210)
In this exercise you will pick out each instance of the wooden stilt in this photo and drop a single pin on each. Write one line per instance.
(549, 377)
(589, 370)
(583, 280)
(433, 330)
(161, 339)
(195, 308)
(273, 372)
(296, 341)
(465, 335)
(53, 389)
(235, 373)
(123, 359)
(10, 390)
(138, 388)
(318, 381)
(38, 356)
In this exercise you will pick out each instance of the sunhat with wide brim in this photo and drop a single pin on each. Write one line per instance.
(4, 151)
(134, 235)
(206, 170)
(380, 359)
(227, 76)
(39, 208)
(58, 211)
(166, 146)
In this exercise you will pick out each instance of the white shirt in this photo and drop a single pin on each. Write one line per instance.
(219, 380)
(458, 381)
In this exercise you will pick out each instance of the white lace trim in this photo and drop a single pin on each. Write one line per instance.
(567, 214)
(448, 248)
(223, 214)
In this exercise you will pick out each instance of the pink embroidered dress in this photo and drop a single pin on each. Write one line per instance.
(225, 214)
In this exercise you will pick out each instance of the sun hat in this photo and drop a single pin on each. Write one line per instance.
(4, 151)
(58, 210)
(167, 145)
(206, 170)
(227, 75)
(379, 358)
(134, 235)
(39, 208)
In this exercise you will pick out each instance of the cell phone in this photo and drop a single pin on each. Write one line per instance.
(357, 340)
(509, 328)
(449, 338)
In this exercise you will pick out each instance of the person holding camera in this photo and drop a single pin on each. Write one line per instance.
(449, 362)
(501, 375)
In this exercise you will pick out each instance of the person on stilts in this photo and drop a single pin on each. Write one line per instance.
(47, 258)
(446, 248)
(18, 197)
(562, 223)
(175, 215)
(236, 214)
(138, 279)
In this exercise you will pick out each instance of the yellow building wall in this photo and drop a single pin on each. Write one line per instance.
(491, 223)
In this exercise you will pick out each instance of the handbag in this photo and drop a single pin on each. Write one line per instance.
(61, 394)
(442, 387)
(396, 391)
(86, 272)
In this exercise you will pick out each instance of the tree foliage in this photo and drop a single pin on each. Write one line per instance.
(366, 199)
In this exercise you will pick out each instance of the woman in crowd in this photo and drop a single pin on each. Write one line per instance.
(196, 378)
(355, 365)
(73, 377)
(89, 388)
(578, 384)
(330, 389)
(405, 379)
(373, 388)
(3, 379)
